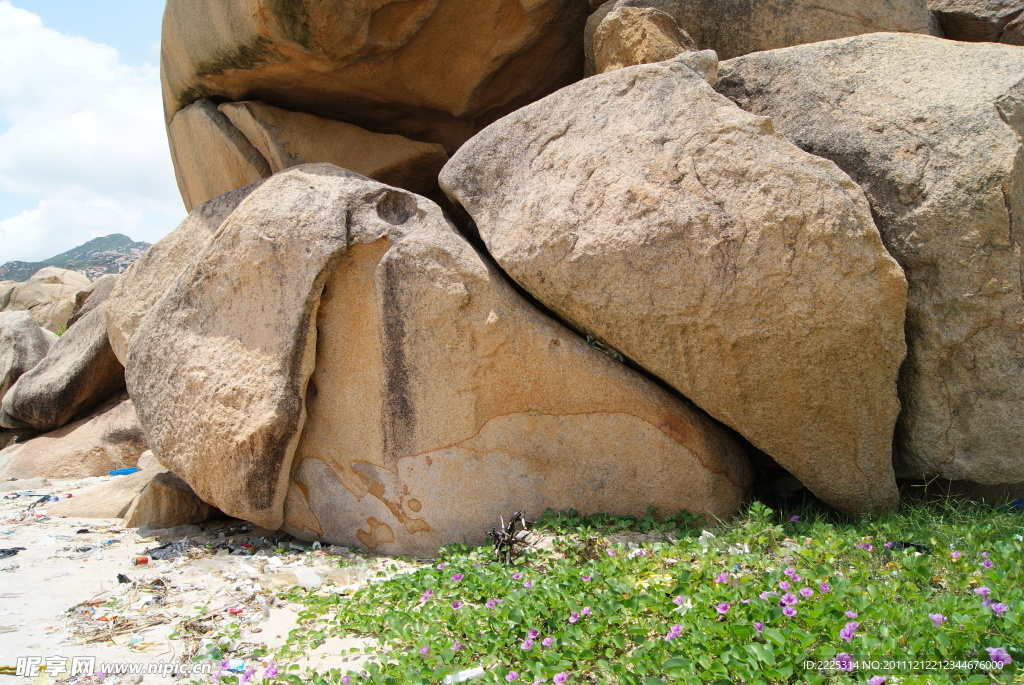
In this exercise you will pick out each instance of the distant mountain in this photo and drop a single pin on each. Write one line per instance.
(110, 254)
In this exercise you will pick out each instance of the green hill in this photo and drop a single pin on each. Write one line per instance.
(110, 254)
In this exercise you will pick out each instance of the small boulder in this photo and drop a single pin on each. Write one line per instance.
(166, 501)
(107, 500)
(628, 36)
(93, 296)
(50, 295)
(991, 21)
(147, 460)
(79, 373)
(23, 344)
(653, 214)
(111, 438)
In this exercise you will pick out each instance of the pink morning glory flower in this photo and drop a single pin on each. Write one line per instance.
(440, 567)
(806, 592)
(851, 614)
(783, 585)
(587, 577)
(759, 627)
(426, 596)
(457, 646)
(425, 651)
(457, 577)
(998, 655)
(999, 608)
(788, 599)
(512, 675)
(983, 591)
(987, 563)
(956, 555)
(533, 633)
(794, 519)
(548, 641)
(586, 611)
(456, 605)
(722, 608)
(574, 616)
(888, 545)
(722, 577)
(611, 552)
(849, 631)
(674, 632)
(789, 611)
(865, 545)
(844, 661)
(526, 644)
(491, 603)
(938, 618)
(560, 678)
(528, 584)
(824, 587)
(876, 680)
(517, 575)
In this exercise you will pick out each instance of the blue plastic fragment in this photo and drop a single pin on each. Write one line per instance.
(124, 472)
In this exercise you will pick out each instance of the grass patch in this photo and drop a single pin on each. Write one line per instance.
(933, 593)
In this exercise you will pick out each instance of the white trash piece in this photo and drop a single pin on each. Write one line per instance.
(308, 578)
(463, 676)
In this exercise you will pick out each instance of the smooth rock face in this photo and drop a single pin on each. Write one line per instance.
(993, 21)
(107, 500)
(432, 70)
(628, 36)
(287, 139)
(149, 277)
(651, 213)
(23, 344)
(166, 501)
(79, 373)
(6, 288)
(441, 400)
(93, 296)
(218, 368)
(938, 152)
(111, 438)
(211, 157)
(50, 296)
(737, 27)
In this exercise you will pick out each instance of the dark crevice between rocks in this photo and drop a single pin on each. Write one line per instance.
(773, 484)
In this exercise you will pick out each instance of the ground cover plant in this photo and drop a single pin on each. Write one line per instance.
(931, 594)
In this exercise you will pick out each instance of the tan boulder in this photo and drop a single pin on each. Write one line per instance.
(79, 372)
(211, 157)
(111, 438)
(50, 295)
(146, 280)
(93, 296)
(932, 130)
(732, 29)
(651, 213)
(343, 384)
(147, 460)
(993, 21)
(23, 344)
(432, 70)
(628, 36)
(287, 139)
(166, 501)
(108, 500)
(6, 288)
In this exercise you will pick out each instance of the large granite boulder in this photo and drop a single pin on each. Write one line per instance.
(931, 129)
(50, 295)
(737, 27)
(23, 344)
(991, 21)
(149, 277)
(93, 296)
(400, 379)
(651, 213)
(78, 374)
(432, 70)
(110, 438)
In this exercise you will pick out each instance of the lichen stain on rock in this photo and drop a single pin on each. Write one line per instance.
(379, 533)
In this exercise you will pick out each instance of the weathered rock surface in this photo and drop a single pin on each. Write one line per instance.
(78, 374)
(628, 36)
(93, 296)
(211, 157)
(737, 27)
(166, 501)
(938, 152)
(651, 213)
(6, 288)
(145, 281)
(107, 500)
(111, 438)
(287, 139)
(147, 460)
(432, 70)
(434, 382)
(50, 296)
(993, 21)
(23, 344)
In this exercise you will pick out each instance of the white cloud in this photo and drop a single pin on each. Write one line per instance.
(85, 133)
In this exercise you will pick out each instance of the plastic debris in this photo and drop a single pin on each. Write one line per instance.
(10, 552)
(463, 676)
(124, 472)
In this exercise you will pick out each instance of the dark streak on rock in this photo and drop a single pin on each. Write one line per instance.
(397, 420)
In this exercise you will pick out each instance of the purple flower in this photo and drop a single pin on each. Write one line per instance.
(611, 552)
(783, 585)
(998, 655)
(512, 675)
(271, 670)
(759, 627)
(806, 592)
(548, 641)
(876, 680)
(456, 646)
(789, 599)
(491, 603)
(456, 605)
(745, 601)
(765, 595)
(517, 575)
(533, 633)
(586, 611)
(346, 680)
(844, 661)
(674, 632)
(938, 618)
(987, 563)
(425, 651)
(249, 673)
(824, 587)
(560, 678)
(526, 644)
(851, 614)
(457, 577)
(587, 577)
(794, 519)
(865, 545)
(983, 591)
(723, 577)
(985, 554)
(956, 555)
(789, 611)
(987, 603)
(639, 553)
(790, 571)
(1000, 609)
(426, 596)
(723, 608)
(680, 600)
(888, 545)
(574, 616)
(440, 567)
(849, 631)
(528, 584)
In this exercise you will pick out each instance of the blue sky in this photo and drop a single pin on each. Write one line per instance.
(83, 151)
